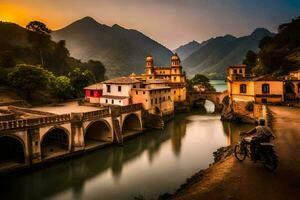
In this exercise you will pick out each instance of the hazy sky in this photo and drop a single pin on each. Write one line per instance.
(170, 22)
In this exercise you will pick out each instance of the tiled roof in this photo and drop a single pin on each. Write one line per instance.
(154, 88)
(266, 78)
(122, 80)
(97, 86)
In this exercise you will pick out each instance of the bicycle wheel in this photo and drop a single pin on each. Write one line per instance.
(239, 152)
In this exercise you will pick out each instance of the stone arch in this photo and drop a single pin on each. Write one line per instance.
(55, 142)
(289, 91)
(131, 124)
(97, 132)
(12, 151)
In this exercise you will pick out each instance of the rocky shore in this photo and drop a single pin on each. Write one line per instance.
(219, 156)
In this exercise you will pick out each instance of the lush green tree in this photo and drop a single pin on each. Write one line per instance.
(27, 79)
(62, 87)
(200, 79)
(79, 79)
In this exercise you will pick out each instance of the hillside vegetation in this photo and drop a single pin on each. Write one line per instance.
(39, 69)
(279, 54)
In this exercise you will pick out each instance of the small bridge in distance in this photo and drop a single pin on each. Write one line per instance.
(215, 97)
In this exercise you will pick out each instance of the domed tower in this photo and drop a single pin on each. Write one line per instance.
(176, 69)
(149, 65)
(175, 60)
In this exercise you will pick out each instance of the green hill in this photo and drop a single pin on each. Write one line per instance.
(279, 54)
(21, 46)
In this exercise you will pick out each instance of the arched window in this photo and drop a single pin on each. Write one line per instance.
(265, 88)
(243, 88)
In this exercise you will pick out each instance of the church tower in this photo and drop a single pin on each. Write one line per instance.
(149, 65)
(176, 69)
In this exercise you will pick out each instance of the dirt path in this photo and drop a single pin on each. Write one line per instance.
(251, 181)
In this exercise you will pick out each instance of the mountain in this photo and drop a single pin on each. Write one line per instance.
(187, 49)
(218, 53)
(21, 46)
(121, 50)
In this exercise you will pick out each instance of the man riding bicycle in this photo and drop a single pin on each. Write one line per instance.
(261, 133)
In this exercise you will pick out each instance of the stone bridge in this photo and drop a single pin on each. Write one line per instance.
(24, 142)
(215, 97)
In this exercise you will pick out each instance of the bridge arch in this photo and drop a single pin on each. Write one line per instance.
(97, 132)
(12, 150)
(131, 124)
(55, 142)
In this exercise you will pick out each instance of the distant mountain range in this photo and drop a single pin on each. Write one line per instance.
(213, 56)
(121, 50)
(186, 50)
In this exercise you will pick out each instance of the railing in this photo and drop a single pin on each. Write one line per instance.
(25, 123)
(131, 108)
(96, 114)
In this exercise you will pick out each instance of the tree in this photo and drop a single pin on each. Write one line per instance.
(39, 37)
(38, 27)
(250, 60)
(62, 87)
(80, 79)
(200, 79)
(27, 79)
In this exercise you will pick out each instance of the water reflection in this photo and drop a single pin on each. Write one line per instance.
(150, 164)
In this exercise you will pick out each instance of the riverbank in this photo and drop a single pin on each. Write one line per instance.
(230, 179)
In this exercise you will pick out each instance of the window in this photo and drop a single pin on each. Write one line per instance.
(119, 101)
(112, 101)
(150, 92)
(92, 93)
(159, 99)
(243, 88)
(136, 92)
(234, 71)
(106, 101)
(175, 70)
(119, 88)
(143, 92)
(265, 88)
(108, 88)
(175, 92)
(151, 101)
(174, 78)
(146, 100)
(156, 101)
(134, 86)
(241, 71)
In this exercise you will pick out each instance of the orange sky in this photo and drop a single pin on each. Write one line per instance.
(170, 22)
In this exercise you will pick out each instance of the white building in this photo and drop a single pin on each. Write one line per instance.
(117, 91)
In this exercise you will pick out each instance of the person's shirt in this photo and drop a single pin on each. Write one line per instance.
(263, 132)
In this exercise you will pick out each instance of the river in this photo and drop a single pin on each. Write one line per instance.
(150, 164)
